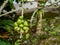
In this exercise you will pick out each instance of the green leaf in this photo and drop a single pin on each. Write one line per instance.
(34, 40)
(53, 33)
(8, 25)
(8, 29)
(11, 3)
(4, 42)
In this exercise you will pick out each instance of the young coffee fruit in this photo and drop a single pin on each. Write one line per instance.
(17, 28)
(21, 17)
(21, 25)
(15, 24)
(26, 29)
(25, 23)
(19, 21)
(27, 35)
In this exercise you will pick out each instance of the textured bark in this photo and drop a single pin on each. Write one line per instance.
(39, 24)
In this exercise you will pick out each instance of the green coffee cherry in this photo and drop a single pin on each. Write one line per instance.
(15, 24)
(22, 21)
(21, 17)
(46, 29)
(19, 21)
(27, 35)
(21, 25)
(18, 42)
(25, 23)
(17, 28)
(26, 29)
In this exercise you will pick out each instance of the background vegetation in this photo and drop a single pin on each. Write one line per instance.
(41, 27)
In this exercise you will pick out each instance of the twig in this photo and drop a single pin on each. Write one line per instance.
(5, 36)
(33, 16)
(8, 13)
(46, 8)
(3, 5)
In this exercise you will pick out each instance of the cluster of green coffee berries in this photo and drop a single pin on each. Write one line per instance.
(21, 24)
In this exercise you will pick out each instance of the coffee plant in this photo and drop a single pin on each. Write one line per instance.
(22, 27)
(29, 22)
